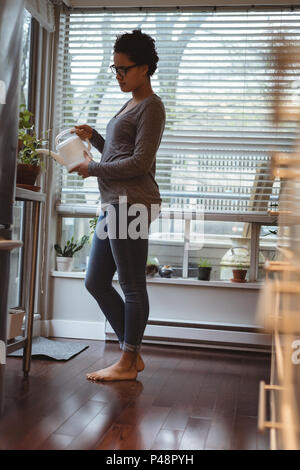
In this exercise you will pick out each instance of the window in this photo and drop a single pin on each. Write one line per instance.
(16, 257)
(215, 78)
(25, 58)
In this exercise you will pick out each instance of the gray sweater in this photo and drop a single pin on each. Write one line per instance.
(128, 162)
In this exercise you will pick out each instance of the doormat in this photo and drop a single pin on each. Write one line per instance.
(57, 350)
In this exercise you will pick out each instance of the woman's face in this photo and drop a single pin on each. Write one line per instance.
(134, 77)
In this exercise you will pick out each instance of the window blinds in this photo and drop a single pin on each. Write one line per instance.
(215, 76)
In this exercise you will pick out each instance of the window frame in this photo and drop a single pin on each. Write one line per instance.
(265, 8)
(255, 219)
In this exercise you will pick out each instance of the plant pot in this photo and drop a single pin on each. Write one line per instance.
(151, 269)
(27, 174)
(165, 271)
(239, 275)
(204, 273)
(64, 264)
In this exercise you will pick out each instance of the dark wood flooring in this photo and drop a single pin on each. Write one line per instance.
(185, 399)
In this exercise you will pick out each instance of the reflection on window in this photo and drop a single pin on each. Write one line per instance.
(76, 227)
(25, 58)
(221, 240)
(15, 275)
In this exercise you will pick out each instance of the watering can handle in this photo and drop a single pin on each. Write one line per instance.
(67, 131)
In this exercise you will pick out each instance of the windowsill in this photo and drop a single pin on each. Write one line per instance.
(212, 243)
(173, 280)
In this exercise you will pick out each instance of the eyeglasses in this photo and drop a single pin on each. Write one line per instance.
(121, 70)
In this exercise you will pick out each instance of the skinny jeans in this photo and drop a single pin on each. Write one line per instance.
(113, 251)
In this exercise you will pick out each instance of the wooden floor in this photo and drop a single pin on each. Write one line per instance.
(184, 399)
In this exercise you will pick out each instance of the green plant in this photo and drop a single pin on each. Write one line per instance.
(92, 224)
(240, 267)
(28, 141)
(203, 263)
(71, 247)
(152, 260)
(24, 117)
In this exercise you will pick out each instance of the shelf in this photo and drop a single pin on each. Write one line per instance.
(9, 245)
(27, 195)
(19, 343)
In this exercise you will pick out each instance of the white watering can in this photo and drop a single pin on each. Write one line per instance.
(70, 151)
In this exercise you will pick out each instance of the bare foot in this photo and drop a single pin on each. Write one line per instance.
(139, 363)
(113, 373)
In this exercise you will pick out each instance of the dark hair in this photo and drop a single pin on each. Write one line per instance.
(139, 47)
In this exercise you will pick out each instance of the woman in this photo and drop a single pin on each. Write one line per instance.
(127, 169)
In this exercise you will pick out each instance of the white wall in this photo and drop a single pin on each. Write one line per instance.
(219, 305)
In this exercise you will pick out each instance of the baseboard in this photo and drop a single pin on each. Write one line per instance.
(73, 329)
(37, 325)
(201, 337)
(161, 334)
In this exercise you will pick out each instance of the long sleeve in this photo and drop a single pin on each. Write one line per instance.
(97, 141)
(149, 131)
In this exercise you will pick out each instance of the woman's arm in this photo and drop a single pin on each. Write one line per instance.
(97, 140)
(148, 136)
(84, 131)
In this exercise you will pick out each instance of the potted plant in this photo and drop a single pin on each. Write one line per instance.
(165, 271)
(92, 224)
(64, 259)
(204, 270)
(239, 274)
(24, 123)
(29, 162)
(152, 266)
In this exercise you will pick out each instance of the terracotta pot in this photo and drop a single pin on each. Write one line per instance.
(239, 274)
(27, 174)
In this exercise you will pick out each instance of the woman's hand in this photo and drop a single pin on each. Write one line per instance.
(82, 168)
(83, 131)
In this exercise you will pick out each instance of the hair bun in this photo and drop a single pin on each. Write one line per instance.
(137, 32)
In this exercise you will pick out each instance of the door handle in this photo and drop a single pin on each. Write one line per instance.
(262, 423)
(9, 245)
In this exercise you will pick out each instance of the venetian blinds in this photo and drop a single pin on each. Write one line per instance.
(215, 77)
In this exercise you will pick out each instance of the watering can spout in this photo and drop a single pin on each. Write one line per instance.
(70, 151)
(54, 155)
